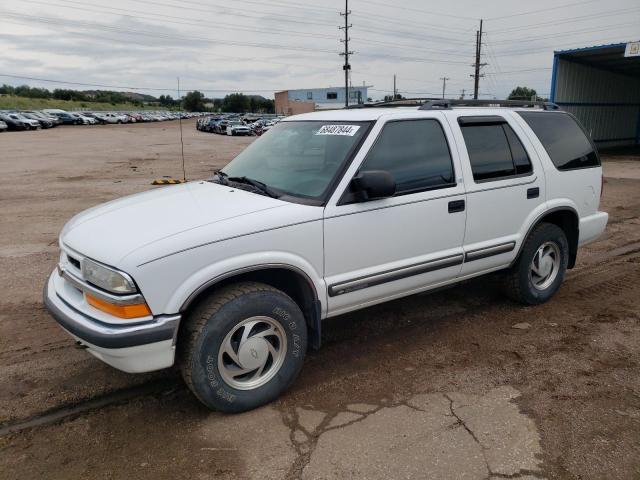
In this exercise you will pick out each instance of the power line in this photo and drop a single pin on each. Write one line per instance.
(123, 87)
(543, 10)
(218, 41)
(609, 13)
(186, 21)
(521, 71)
(563, 34)
(173, 18)
(429, 12)
(138, 32)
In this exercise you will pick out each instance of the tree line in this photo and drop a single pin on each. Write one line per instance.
(193, 101)
(236, 102)
(105, 96)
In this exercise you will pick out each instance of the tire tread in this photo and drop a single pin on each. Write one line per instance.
(513, 285)
(201, 315)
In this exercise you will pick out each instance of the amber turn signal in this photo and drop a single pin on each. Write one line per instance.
(122, 311)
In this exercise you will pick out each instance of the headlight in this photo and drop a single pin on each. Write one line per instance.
(107, 278)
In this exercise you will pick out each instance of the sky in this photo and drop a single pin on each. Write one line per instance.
(263, 46)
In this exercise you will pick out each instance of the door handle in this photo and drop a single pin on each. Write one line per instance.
(456, 206)
(533, 192)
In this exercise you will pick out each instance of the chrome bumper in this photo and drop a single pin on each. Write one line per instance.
(96, 333)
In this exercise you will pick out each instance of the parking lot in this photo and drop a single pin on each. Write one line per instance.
(461, 383)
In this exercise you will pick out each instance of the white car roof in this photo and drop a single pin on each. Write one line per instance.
(372, 114)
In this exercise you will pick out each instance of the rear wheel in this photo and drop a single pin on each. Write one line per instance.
(540, 269)
(242, 347)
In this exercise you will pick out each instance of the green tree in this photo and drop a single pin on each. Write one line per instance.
(236, 103)
(193, 101)
(522, 93)
(167, 100)
(217, 104)
(7, 89)
(266, 106)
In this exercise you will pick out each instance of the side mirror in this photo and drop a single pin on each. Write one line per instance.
(373, 184)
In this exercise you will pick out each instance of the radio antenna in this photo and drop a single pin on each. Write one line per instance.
(184, 172)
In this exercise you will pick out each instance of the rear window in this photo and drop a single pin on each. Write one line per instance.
(563, 139)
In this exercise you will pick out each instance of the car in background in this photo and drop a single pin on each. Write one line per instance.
(12, 123)
(114, 117)
(96, 116)
(42, 117)
(30, 123)
(3, 126)
(43, 123)
(67, 119)
(84, 120)
(211, 125)
(221, 126)
(237, 128)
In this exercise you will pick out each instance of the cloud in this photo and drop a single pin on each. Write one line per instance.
(254, 46)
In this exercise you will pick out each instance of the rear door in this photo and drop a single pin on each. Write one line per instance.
(386, 248)
(505, 187)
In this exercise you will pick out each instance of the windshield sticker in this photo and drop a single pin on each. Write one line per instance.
(344, 130)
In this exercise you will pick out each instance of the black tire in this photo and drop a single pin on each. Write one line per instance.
(519, 284)
(209, 324)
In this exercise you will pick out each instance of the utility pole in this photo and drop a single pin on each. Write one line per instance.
(346, 67)
(462, 92)
(395, 90)
(476, 76)
(444, 84)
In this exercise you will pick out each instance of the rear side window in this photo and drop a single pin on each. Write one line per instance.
(415, 152)
(563, 139)
(495, 152)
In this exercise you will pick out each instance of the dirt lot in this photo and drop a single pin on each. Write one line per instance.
(432, 386)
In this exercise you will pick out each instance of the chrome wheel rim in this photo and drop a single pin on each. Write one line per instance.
(545, 266)
(252, 353)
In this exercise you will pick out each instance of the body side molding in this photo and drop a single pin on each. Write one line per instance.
(395, 274)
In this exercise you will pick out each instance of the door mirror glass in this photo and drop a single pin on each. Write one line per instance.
(372, 185)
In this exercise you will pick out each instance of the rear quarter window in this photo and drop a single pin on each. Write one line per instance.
(563, 138)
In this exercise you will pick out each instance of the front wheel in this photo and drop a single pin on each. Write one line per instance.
(242, 347)
(540, 269)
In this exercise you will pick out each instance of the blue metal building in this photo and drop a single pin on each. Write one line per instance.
(601, 86)
(333, 96)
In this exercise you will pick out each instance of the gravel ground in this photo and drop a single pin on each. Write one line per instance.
(431, 386)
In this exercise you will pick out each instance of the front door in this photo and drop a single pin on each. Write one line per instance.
(380, 249)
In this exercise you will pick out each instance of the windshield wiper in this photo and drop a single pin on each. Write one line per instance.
(222, 177)
(261, 187)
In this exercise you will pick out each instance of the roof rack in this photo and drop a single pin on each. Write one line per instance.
(404, 102)
(447, 104)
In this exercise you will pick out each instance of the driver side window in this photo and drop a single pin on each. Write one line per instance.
(416, 153)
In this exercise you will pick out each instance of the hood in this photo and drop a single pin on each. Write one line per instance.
(111, 231)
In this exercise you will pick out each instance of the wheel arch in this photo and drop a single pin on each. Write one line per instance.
(566, 218)
(291, 280)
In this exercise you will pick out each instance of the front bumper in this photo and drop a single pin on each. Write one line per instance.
(141, 347)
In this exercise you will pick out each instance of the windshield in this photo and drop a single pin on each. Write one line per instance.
(299, 158)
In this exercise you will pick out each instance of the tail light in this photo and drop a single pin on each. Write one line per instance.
(601, 185)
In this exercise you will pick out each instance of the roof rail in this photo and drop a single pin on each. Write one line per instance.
(447, 104)
(404, 102)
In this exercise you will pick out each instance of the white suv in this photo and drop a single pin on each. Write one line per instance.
(327, 213)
